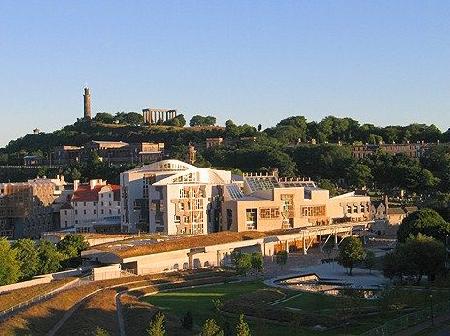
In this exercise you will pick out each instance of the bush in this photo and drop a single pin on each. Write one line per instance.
(187, 321)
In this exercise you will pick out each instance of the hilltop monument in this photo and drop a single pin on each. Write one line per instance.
(87, 103)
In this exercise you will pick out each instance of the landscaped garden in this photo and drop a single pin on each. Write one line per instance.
(274, 311)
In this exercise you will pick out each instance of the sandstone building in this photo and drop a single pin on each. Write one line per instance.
(26, 208)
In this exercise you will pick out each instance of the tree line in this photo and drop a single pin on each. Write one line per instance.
(25, 259)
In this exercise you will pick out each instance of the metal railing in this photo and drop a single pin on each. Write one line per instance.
(4, 313)
(409, 320)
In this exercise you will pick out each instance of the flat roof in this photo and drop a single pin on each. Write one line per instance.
(137, 247)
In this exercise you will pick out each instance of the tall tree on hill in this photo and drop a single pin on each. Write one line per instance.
(199, 120)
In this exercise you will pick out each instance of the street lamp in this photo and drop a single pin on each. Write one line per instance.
(431, 308)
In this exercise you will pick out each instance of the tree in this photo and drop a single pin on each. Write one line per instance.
(49, 257)
(281, 258)
(242, 262)
(242, 328)
(424, 221)
(419, 255)
(72, 245)
(133, 118)
(104, 118)
(178, 121)
(351, 251)
(187, 321)
(75, 174)
(27, 255)
(391, 262)
(257, 261)
(9, 263)
(100, 332)
(359, 175)
(210, 328)
(370, 260)
(199, 120)
(157, 327)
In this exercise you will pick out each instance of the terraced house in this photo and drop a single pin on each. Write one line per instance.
(92, 207)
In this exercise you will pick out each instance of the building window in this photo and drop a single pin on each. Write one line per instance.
(84, 211)
(269, 213)
(95, 212)
(84, 203)
(251, 221)
(313, 211)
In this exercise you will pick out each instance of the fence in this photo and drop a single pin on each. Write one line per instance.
(393, 326)
(6, 312)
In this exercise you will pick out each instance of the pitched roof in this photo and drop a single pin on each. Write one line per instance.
(85, 194)
(396, 211)
(410, 209)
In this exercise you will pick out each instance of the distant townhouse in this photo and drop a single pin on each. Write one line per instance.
(92, 207)
(265, 202)
(113, 152)
(172, 197)
(26, 208)
(213, 142)
(412, 150)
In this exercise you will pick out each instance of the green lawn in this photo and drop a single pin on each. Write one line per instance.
(199, 302)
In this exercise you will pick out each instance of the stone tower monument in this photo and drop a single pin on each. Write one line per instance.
(87, 103)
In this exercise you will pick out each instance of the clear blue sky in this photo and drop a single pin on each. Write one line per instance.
(384, 62)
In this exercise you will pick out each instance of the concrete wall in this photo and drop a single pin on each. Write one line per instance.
(41, 279)
(106, 272)
(24, 284)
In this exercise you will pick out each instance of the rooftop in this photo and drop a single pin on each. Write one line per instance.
(84, 193)
(137, 247)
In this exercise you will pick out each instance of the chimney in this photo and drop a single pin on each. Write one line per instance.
(386, 203)
(76, 184)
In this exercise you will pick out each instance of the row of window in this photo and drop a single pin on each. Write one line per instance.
(355, 208)
(76, 204)
(85, 212)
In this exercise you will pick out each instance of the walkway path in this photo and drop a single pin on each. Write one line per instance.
(439, 320)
